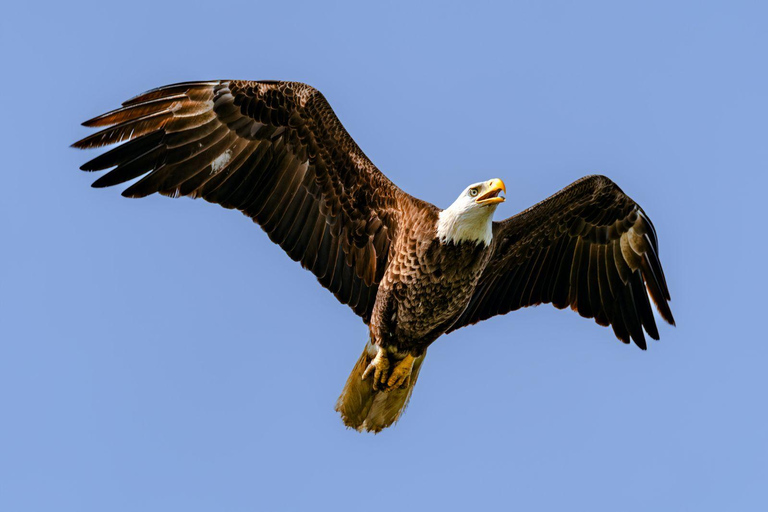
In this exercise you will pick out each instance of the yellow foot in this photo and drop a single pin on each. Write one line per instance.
(383, 378)
(401, 375)
(380, 369)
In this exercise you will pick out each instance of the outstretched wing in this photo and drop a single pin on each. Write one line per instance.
(275, 151)
(589, 247)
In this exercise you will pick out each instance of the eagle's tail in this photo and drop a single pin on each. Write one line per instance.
(366, 409)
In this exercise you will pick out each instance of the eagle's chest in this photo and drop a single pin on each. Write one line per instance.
(430, 287)
(446, 268)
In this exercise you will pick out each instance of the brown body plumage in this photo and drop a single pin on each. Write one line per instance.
(412, 272)
(426, 286)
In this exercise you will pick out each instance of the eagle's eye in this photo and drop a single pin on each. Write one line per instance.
(473, 192)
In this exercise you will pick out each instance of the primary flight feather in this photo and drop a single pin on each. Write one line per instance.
(277, 152)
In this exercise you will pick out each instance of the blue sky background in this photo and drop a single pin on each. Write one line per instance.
(163, 355)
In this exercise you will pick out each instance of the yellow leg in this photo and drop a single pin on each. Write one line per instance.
(380, 369)
(401, 375)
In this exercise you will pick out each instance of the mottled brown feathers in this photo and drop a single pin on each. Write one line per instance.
(278, 153)
(588, 247)
(275, 151)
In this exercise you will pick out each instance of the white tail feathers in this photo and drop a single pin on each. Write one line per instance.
(366, 409)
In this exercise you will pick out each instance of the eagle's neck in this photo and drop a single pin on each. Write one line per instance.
(456, 224)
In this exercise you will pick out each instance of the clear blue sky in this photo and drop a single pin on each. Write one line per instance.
(163, 355)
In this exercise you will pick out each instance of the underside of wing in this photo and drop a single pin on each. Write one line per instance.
(273, 150)
(589, 247)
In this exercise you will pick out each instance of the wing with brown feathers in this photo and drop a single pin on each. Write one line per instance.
(273, 150)
(589, 247)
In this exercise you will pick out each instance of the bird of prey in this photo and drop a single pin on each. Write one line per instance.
(413, 272)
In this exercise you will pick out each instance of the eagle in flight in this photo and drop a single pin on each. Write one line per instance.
(413, 272)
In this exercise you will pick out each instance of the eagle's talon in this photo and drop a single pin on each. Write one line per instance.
(401, 375)
(380, 369)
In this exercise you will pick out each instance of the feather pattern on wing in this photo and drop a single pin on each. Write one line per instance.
(589, 247)
(273, 150)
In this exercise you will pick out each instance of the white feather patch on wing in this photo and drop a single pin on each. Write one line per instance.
(221, 161)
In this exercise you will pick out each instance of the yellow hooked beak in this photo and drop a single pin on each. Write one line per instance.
(491, 195)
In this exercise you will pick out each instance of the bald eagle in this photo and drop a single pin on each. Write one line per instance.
(413, 272)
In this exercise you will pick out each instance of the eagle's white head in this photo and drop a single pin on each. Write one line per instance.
(470, 217)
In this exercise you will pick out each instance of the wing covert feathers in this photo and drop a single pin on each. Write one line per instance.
(588, 247)
(273, 150)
